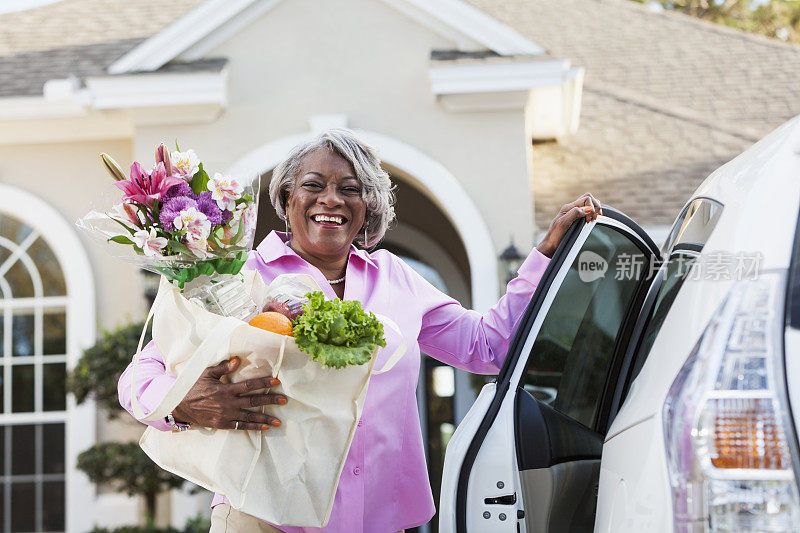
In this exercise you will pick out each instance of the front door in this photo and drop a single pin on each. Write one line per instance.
(527, 456)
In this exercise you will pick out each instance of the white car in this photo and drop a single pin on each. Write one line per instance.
(651, 389)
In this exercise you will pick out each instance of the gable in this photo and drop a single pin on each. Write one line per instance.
(210, 24)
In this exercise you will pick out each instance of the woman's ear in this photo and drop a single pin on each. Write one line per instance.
(287, 197)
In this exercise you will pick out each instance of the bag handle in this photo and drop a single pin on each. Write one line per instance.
(398, 353)
(217, 336)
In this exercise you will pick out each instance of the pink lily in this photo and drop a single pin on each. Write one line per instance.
(162, 156)
(144, 189)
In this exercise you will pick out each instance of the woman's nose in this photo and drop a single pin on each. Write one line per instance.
(330, 196)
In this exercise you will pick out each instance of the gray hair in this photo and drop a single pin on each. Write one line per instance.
(376, 186)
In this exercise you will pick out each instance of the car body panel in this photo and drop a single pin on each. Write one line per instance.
(760, 190)
(634, 492)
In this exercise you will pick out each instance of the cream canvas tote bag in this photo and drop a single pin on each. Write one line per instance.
(286, 475)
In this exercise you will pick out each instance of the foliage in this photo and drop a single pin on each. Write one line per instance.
(193, 525)
(137, 529)
(198, 524)
(100, 366)
(125, 467)
(772, 18)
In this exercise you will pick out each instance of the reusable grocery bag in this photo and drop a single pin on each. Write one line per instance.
(286, 475)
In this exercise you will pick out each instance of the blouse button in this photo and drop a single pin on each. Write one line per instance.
(359, 423)
(356, 471)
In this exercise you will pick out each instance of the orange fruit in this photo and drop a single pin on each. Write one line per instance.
(274, 322)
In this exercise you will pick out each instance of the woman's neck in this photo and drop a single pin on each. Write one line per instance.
(331, 267)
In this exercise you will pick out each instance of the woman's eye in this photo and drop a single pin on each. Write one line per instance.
(312, 185)
(352, 190)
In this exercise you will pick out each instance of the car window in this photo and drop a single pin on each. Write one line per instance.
(572, 354)
(694, 225)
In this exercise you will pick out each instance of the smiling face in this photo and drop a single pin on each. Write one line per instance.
(325, 207)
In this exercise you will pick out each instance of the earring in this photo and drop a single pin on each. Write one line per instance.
(286, 221)
(365, 236)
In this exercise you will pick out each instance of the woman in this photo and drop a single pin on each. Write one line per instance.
(332, 192)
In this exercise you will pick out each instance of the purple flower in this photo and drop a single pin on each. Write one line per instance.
(181, 189)
(172, 208)
(207, 206)
(226, 216)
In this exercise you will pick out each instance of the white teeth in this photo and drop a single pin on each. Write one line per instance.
(325, 218)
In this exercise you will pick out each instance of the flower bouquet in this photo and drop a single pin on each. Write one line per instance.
(192, 228)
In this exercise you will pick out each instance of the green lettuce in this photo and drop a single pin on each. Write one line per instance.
(337, 333)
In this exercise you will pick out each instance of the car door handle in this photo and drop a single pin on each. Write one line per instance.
(509, 499)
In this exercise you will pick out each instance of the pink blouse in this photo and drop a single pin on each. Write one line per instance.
(384, 485)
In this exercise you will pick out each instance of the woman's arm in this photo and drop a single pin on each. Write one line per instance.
(478, 343)
(152, 384)
(209, 403)
(467, 339)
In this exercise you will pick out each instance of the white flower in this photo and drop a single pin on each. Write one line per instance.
(198, 248)
(149, 243)
(225, 191)
(185, 164)
(119, 214)
(195, 223)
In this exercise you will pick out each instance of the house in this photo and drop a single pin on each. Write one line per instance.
(488, 114)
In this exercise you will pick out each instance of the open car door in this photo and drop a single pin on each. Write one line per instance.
(526, 458)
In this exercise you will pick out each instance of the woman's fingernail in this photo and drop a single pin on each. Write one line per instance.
(234, 360)
(282, 401)
(266, 426)
(588, 209)
(276, 423)
(274, 382)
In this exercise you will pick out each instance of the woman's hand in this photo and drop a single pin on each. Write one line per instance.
(585, 206)
(213, 404)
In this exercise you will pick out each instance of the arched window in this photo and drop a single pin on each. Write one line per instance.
(34, 355)
(46, 318)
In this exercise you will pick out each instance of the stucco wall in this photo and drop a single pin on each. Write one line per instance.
(363, 59)
(69, 177)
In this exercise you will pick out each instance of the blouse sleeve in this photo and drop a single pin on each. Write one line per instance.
(467, 339)
(152, 384)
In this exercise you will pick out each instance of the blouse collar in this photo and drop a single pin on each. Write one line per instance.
(274, 247)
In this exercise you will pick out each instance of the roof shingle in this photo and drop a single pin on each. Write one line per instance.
(76, 38)
(667, 99)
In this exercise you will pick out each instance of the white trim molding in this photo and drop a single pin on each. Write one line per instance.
(149, 99)
(198, 32)
(549, 90)
(438, 184)
(157, 90)
(486, 76)
(469, 27)
(80, 420)
(192, 28)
